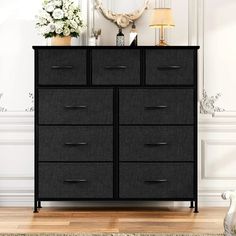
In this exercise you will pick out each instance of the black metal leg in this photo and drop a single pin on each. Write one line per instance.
(191, 204)
(35, 206)
(196, 207)
(39, 204)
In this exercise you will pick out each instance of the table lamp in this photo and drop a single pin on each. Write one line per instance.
(162, 18)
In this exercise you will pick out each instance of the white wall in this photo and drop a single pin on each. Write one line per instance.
(211, 23)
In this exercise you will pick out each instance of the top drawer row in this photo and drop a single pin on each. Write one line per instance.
(115, 66)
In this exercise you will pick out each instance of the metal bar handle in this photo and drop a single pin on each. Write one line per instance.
(156, 181)
(170, 67)
(119, 67)
(76, 144)
(156, 107)
(74, 181)
(156, 144)
(58, 67)
(76, 107)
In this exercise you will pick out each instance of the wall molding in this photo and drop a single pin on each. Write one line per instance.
(217, 142)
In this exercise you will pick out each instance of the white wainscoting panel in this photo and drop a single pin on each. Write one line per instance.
(218, 159)
(216, 156)
(16, 158)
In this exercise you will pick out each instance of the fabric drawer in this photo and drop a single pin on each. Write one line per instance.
(62, 67)
(66, 180)
(156, 143)
(170, 67)
(116, 67)
(156, 181)
(61, 143)
(156, 106)
(75, 106)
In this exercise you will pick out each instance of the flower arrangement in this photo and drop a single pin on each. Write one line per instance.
(59, 18)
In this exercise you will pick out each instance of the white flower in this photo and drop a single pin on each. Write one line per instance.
(66, 31)
(70, 15)
(73, 24)
(44, 30)
(58, 3)
(45, 15)
(59, 24)
(58, 14)
(52, 27)
(41, 21)
(49, 7)
(78, 30)
(60, 17)
(59, 30)
(72, 7)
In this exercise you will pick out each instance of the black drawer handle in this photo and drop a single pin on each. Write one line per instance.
(76, 144)
(173, 67)
(76, 107)
(156, 181)
(156, 144)
(75, 181)
(116, 67)
(57, 67)
(156, 107)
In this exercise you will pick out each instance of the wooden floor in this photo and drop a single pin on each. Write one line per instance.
(22, 220)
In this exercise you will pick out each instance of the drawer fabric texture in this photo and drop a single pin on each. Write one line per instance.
(170, 67)
(75, 106)
(84, 143)
(162, 180)
(156, 106)
(66, 180)
(116, 124)
(116, 67)
(155, 143)
(58, 67)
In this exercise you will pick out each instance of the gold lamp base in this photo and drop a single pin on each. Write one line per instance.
(162, 43)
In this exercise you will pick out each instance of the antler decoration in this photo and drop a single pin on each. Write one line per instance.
(121, 20)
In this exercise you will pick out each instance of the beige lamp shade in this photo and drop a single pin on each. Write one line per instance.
(162, 17)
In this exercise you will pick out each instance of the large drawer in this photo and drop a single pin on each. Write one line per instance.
(75, 106)
(58, 181)
(156, 181)
(156, 106)
(170, 67)
(60, 143)
(62, 66)
(116, 67)
(165, 143)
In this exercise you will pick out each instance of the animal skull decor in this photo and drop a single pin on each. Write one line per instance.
(121, 20)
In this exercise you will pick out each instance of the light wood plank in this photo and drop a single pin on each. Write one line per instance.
(112, 220)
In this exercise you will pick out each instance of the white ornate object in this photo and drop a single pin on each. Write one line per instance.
(2, 109)
(121, 20)
(31, 109)
(207, 104)
(230, 218)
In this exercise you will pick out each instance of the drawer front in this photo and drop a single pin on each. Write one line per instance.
(75, 143)
(62, 66)
(116, 66)
(168, 143)
(75, 106)
(75, 180)
(170, 67)
(162, 180)
(156, 106)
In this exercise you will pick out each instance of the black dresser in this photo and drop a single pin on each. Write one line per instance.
(116, 123)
